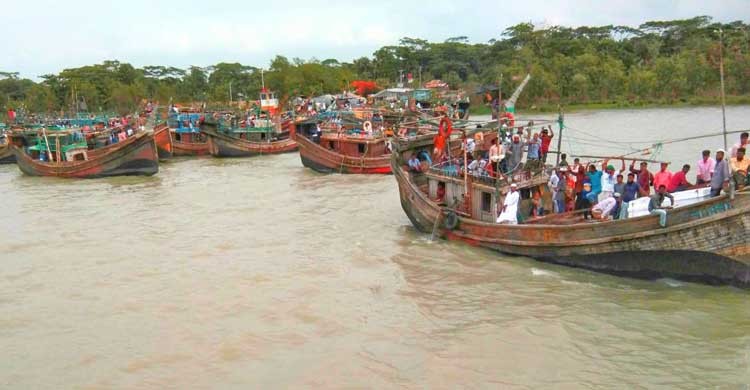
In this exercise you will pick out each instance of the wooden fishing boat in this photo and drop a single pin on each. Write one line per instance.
(163, 139)
(64, 156)
(705, 239)
(331, 152)
(6, 155)
(246, 141)
(187, 139)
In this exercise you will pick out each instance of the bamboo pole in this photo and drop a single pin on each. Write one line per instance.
(46, 142)
(57, 150)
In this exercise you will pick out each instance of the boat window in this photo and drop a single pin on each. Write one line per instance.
(331, 145)
(79, 157)
(361, 148)
(178, 137)
(486, 202)
(262, 135)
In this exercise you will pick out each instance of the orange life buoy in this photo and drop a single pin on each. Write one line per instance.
(509, 118)
(446, 127)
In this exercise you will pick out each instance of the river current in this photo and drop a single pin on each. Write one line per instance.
(259, 273)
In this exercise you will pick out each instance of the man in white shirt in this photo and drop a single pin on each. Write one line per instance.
(705, 167)
(509, 213)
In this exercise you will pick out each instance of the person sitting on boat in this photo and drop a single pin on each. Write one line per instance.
(478, 166)
(644, 177)
(509, 212)
(603, 210)
(739, 167)
(742, 144)
(414, 164)
(563, 160)
(440, 198)
(655, 204)
(706, 166)
(121, 136)
(679, 180)
(722, 174)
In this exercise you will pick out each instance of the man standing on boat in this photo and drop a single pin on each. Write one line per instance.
(742, 144)
(515, 152)
(546, 137)
(706, 166)
(630, 193)
(663, 177)
(739, 167)
(510, 206)
(645, 178)
(721, 175)
(496, 156)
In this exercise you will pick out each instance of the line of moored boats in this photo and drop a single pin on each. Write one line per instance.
(704, 238)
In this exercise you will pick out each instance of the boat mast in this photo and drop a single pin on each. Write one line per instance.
(721, 74)
(262, 80)
(559, 134)
(500, 107)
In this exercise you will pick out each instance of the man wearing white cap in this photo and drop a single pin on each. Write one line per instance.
(721, 175)
(509, 213)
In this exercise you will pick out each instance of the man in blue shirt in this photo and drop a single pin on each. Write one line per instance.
(595, 178)
(629, 194)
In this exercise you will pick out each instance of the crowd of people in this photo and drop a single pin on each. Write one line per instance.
(607, 192)
(596, 190)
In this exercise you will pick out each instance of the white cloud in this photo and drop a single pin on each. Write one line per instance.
(189, 32)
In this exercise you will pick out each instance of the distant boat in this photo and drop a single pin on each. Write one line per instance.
(6, 155)
(263, 138)
(163, 139)
(187, 139)
(65, 154)
(342, 152)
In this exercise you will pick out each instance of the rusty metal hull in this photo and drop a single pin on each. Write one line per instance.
(704, 242)
(323, 160)
(135, 156)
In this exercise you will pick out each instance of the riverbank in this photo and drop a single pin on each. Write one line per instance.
(691, 102)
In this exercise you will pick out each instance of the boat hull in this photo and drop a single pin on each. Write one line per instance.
(135, 156)
(163, 139)
(705, 242)
(184, 149)
(6, 155)
(322, 160)
(222, 145)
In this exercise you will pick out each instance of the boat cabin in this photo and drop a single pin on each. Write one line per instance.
(185, 127)
(446, 184)
(268, 101)
(59, 146)
(353, 143)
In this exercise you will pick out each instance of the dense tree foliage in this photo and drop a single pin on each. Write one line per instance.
(657, 62)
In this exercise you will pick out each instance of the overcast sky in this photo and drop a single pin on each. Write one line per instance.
(47, 36)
